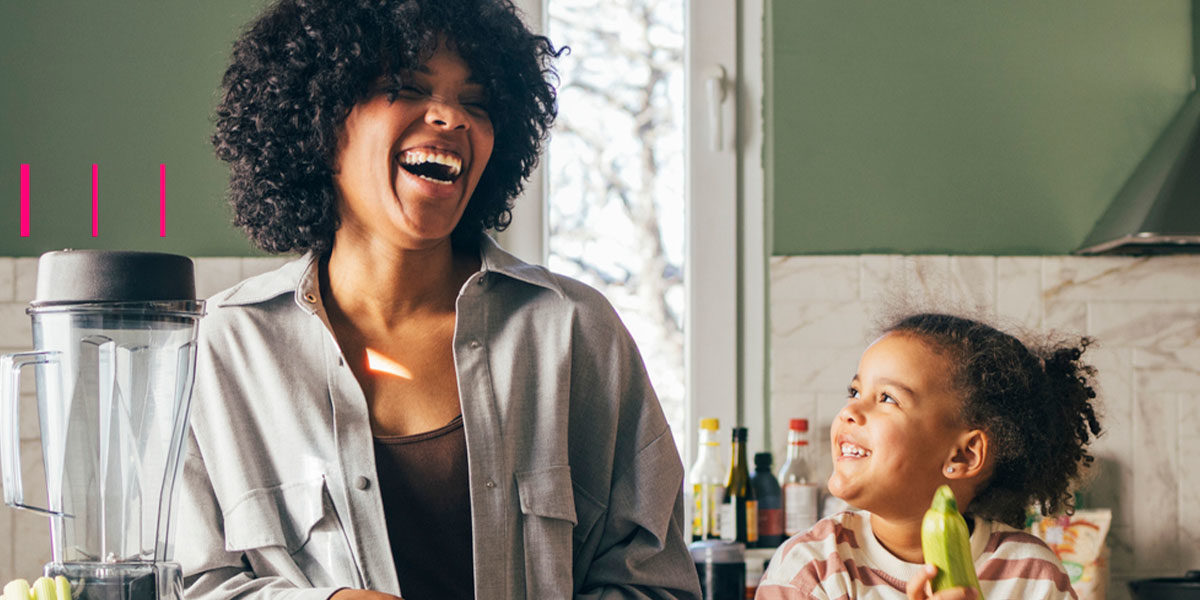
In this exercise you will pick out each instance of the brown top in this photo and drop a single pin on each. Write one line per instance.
(427, 505)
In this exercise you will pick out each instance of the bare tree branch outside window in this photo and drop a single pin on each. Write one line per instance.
(617, 172)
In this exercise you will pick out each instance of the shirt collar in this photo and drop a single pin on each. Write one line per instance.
(300, 278)
(495, 259)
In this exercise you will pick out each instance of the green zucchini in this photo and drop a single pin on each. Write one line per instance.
(946, 543)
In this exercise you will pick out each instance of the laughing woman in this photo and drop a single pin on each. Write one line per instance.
(407, 410)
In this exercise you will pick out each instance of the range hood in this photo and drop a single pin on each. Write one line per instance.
(1158, 209)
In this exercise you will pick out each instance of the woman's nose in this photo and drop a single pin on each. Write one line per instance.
(446, 115)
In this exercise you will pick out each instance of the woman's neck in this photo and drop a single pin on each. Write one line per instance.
(385, 283)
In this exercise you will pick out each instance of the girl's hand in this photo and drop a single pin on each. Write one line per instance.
(918, 588)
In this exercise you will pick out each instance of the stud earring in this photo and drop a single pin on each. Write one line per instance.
(949, 469)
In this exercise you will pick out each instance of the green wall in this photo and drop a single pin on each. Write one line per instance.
(929, 126)
(127, 85)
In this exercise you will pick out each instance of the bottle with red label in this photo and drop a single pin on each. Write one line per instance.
(796, 480)
(770, 502)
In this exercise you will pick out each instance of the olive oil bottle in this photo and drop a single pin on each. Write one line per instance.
(739, 509)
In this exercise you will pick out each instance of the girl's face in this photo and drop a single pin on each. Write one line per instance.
(897, 430)
(406, 167)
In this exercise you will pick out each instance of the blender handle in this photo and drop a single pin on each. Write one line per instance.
(10, 423)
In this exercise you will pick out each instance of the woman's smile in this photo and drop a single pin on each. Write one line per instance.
(411, 154)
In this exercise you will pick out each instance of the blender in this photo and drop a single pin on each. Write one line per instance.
(114, 338)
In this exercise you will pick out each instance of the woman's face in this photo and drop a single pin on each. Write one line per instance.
(898, 427)
(406, 168)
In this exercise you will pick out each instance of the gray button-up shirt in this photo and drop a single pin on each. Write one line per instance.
(576, 485)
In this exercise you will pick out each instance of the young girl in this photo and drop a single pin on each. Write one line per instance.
(939, 400)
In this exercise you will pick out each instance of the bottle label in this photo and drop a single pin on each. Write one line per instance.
(751, 521)
(770, 522)
(800, 507)
(727, 522)
(705, 517)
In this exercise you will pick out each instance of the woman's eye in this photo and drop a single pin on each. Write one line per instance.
(476, 107)
(405, 92)
(408, 92)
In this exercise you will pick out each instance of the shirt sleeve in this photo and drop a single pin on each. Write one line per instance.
(641, 551)
(210, 572)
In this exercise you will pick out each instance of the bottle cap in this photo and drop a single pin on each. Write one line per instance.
(739, 434)
(710, 424)
(800, 425)
(762, 460)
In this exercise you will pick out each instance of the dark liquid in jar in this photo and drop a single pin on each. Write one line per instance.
(728, 581)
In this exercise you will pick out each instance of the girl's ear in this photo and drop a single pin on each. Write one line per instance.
(969, 457)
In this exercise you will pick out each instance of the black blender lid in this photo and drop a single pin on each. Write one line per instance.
(74, 276)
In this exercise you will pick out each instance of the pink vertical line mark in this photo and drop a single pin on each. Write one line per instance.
(95, 200)
(162, 200)
(24, 200)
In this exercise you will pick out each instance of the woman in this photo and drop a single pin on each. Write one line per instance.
(407, 410)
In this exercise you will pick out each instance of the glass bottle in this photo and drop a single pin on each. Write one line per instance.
(770, 502)
(707, 477)
(739, 509)
(796, 479)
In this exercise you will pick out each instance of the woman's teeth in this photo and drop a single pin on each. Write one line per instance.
(431, 165)
(854, 451)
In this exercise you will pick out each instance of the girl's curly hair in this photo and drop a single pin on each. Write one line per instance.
(1034, 404)
(299, 69)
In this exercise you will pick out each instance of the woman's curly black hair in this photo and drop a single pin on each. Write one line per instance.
(299, 69)
(1036, 406)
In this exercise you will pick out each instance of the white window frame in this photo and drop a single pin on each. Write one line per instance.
(728, 243)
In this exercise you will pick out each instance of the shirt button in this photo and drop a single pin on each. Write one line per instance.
(310, 297)
(475, 344)
(490, 484)
(361, 482)
(482, 280)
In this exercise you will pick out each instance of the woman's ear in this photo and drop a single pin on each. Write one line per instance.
(969, 457)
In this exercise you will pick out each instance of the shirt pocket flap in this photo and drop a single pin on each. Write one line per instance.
(547, 493)
(282, 515)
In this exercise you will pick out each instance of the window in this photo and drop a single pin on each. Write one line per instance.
(641, 196)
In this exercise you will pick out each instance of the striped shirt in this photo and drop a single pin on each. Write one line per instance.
(839, 558)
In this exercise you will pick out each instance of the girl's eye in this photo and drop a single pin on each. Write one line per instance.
(851, 392)
(886, 398)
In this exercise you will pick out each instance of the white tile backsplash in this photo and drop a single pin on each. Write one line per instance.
(1155, 484)
(814, 279)
(1143, 312)
(8, 274)
(25, 280)
(1019, 291)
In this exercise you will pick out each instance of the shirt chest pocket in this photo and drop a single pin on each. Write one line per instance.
(292, 530)
(550, 520)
